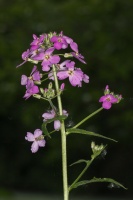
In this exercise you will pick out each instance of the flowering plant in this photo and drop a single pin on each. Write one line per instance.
(56, 67)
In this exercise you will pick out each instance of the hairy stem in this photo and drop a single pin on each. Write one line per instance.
(63, 139)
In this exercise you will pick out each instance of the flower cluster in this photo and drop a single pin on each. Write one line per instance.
(42, 50)
(45, 50)
(109, 98)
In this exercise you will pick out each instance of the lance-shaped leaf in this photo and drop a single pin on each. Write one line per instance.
(79, 161)
(84, 132)
(44, 129)
(96, 180)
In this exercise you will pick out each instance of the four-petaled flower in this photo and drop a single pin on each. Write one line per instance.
(50, 115)
(109, 98)
(37, 42)
(61, 41)
(75, 75)
(31, 88)
(47, 58)
(37, 138)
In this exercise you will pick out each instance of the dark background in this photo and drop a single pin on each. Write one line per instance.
(104, 32)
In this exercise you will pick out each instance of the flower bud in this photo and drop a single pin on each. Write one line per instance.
(68, 55)
(42, 90)
(50, 85)
(37, 82)
(62, 86)
(38, 96)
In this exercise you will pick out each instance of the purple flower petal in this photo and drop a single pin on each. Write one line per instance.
(30, 137)
(48, 115)
(27, 95)
(33, 70)
(45, 67)
(68, 40)
(62, 86)
(113, 99)
(63, 64)
(39, 56)
(55, 59)
(41, 143)
(36, 76)
(57, 45)
(34, 89)
(34, 147)
(86, 78)
(57, 124)
(49, 51)
(106, 105)
(54, 39)
(62, 75)
(103, 98)
(65, 112)
(24, 80)
(25, 55)
(74, 81)
(37, 133)
(74, 46)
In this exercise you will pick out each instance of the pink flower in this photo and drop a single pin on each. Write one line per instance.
(75, 75)
(37, 42)
(34, 75)
(30, 89)
(47, 58)
(37, 138)
(109, 98)
(50, 115)
(61, 41)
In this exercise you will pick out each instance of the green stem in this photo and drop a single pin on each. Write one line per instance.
(80, 175)
(63, 140)
(86, 118)
(50, 102)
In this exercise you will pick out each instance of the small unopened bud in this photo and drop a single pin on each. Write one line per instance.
(33, 61)
(92, 145)
(106, 91)
(38, 96)
(62, 86)
(50, 85)
(37, 82)
(42, 90)
(68, 55)
(119, 97)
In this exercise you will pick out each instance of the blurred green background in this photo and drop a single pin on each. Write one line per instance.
(104, 32)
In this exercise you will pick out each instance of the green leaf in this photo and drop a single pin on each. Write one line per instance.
(79, 161)
(96, 180)
(45, 131)
(84, 132)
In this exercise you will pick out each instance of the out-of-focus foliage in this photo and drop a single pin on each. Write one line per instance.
(103, 31)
